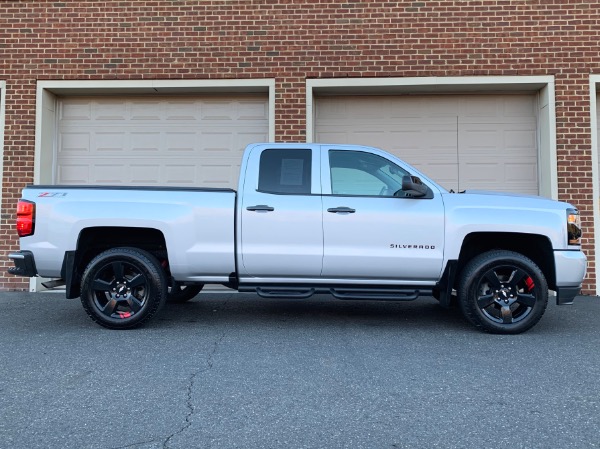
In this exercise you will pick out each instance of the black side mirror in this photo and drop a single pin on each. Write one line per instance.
(413, 186)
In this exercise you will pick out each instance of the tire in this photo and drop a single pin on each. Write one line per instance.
(123, 288)
(502, 292)
(180, 293)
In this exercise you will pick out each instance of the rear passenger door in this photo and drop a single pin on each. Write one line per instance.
(281, 229)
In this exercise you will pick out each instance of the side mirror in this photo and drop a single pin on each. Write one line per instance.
(413, 186)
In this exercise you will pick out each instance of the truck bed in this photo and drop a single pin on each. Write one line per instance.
(203, 252)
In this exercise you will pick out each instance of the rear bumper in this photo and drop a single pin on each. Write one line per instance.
(24, 264)
(570, 271)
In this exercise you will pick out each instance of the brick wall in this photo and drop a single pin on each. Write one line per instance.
(291, 41)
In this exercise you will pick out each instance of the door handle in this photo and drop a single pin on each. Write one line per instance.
(341, 210)
(261, 207)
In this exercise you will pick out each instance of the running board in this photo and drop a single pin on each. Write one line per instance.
(285, 292)
(346, 293)
(375, 294)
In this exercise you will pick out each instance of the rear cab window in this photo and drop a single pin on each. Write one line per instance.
(285, 171)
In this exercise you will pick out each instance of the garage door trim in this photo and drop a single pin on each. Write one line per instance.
(595, 128)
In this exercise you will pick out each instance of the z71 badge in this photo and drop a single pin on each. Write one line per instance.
(52, 194)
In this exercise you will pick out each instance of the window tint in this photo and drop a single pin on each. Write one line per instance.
(285, 171)
(360, 173)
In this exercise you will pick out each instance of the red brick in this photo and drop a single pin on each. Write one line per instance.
(292, 41)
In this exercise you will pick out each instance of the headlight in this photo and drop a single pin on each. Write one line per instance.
(573, 227)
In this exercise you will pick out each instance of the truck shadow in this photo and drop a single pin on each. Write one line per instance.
(248, 309)
(54, 313)
(425, 314)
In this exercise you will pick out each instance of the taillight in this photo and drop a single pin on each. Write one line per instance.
(25, 218)
(573, 227)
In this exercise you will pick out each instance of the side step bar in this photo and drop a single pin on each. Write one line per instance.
(284, 292)
(375, 294)
(346, 293)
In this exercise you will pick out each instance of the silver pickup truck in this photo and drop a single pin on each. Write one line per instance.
(351, 221)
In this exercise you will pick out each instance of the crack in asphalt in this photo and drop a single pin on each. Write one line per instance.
(190, 388)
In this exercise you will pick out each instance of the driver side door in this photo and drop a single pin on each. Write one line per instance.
(370, 234)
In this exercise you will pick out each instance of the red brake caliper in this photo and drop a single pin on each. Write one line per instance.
(530, 284)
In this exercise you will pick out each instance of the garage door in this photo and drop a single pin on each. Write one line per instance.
(166, 141)
(463, 142)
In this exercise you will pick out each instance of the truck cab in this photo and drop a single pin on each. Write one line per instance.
(328, 213)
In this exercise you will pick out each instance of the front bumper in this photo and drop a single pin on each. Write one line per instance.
(24, 264)
(570, 271)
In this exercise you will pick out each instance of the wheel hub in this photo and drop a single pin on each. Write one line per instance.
(121, 290)
(505, 295)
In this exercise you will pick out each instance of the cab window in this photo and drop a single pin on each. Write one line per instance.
(285, 171)
(363, 174)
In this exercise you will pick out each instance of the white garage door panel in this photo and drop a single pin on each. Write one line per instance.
(499, 156)
(415, 129)
(411, 143)
(173, 141)
(430, 147)
(463, 142)
(206, 172)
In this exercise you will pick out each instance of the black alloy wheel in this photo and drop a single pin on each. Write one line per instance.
(123, 288)
(502, 292)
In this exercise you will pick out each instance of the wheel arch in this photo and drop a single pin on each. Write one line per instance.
(94, 240)
(536, 247)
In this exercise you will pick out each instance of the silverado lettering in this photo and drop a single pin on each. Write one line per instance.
(395, 245)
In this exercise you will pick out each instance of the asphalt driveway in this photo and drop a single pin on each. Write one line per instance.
(236, 371)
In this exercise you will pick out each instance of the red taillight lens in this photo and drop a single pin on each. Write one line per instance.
(25, 218)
